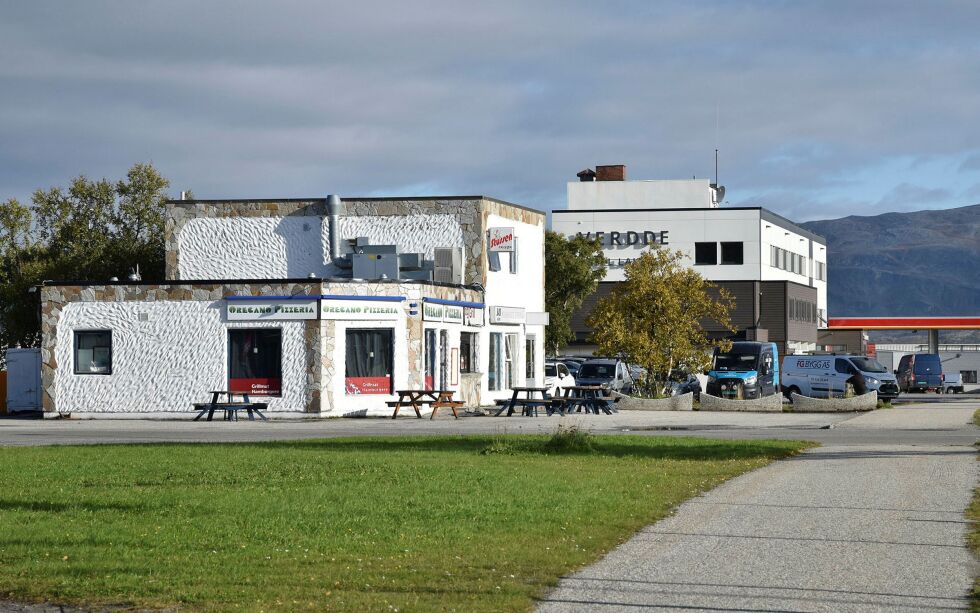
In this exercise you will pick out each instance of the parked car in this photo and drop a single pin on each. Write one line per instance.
(920, 372)
(683, 382)
(557, 377)
(952, 384)
(827, 375)
(609, 373)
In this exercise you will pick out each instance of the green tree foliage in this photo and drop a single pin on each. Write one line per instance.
(573, 268)
(92, 230)
(655, 318)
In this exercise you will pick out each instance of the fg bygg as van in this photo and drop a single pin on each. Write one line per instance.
(823, 376)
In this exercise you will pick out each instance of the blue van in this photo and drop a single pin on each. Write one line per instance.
(920, 372)
(748, 370)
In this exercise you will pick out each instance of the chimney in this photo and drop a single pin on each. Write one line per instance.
(586, 176)
(615, 172)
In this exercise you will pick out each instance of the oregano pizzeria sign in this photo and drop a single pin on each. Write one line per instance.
(271, 310)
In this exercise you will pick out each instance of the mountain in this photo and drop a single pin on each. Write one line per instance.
(920, 263)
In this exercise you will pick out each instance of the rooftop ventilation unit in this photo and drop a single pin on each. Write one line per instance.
(449, 265)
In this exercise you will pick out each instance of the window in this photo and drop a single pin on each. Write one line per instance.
(731, 253)
(842, 366)
(93, 352)
(529, 356)
(468, 352)
(494, 372)
(368, 364)
(969, 376)
(430, 359)
(821, 271)
(705, 254)
(255, 361)
(510, 360)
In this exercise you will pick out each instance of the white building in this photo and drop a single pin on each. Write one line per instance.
(317, 307)
(776, 269)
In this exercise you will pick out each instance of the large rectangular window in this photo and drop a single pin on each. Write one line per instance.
(529, 342)
(731, 253)
(969, 376)
(255, 361)
(369, 359)
(705, 254)
(93, 352)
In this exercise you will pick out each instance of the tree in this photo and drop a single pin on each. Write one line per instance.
(655, 317)
(572, 271)
(92, 230)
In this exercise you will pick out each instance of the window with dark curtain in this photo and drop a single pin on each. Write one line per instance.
(255, 361)
(705, 254)
(731, 253)
(369, 360)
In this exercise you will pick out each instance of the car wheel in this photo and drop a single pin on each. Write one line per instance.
(792, 390)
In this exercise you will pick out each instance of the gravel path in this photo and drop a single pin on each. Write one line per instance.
(842, 528)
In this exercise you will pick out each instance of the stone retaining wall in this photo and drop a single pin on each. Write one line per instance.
(684, 402)
(864, 402)
(773, 404)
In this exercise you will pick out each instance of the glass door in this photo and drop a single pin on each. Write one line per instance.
(430, 359)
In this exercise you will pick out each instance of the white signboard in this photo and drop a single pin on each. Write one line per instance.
(373, 310)
(270, 310)
(501, 239)
(507, 315)
(446, 313)
(473, 316)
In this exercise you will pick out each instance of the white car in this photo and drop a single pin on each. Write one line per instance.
(557, 377)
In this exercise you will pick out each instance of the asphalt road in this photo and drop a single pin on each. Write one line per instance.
(937, 423)
(849, 526)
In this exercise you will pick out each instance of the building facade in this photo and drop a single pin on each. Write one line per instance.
(776, 270)
(318, 307)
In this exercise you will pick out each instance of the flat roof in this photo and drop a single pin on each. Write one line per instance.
(172, 282)
(765, 214)
(357, 198)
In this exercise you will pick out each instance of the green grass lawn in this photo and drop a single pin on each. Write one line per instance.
(339, 524)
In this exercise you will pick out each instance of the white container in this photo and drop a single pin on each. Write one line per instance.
(23, 380)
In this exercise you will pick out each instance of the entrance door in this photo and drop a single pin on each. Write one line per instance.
(255, 361)
(430, 359)
(443, 359)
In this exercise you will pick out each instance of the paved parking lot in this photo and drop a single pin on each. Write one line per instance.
(939, 422)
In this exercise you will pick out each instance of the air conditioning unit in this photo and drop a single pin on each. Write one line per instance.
(449, 265)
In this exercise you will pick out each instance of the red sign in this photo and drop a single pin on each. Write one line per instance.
(368, 385)
(256, 387)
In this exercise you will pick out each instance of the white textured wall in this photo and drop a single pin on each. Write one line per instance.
(166, 363)
(294, 247)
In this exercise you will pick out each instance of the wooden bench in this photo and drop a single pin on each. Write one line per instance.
(528, 405)
(231, 409)
(436, 399)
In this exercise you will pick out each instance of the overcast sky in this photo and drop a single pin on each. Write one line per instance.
(820, 109)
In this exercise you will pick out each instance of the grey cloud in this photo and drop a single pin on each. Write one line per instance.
(505, 98)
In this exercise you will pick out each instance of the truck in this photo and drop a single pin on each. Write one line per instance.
(749, 370)
(828, 375)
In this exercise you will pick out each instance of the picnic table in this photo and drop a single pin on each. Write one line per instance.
(230, 407)
(590, 398)
(529, 404)
(437, 399)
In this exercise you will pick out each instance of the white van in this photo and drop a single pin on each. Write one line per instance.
(821, 376)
